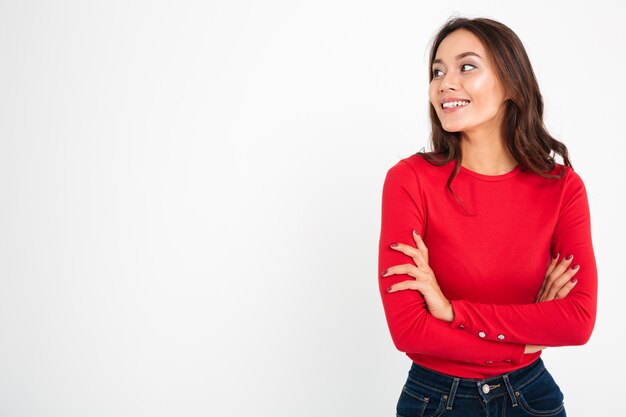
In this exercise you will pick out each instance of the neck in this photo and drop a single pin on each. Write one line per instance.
(486, 153)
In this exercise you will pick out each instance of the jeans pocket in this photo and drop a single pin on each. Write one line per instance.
(418, 400)
(542, 396)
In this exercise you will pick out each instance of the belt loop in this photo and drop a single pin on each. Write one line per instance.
(455, 384)
(510, 390)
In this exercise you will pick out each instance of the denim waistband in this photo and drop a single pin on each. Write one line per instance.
(486, 389)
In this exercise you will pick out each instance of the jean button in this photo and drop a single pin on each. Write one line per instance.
(486, 388)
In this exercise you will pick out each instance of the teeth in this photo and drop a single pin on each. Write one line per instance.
(454, 104)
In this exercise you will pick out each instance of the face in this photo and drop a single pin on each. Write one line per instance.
(471, 78)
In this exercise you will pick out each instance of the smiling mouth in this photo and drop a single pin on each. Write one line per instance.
(454, 104)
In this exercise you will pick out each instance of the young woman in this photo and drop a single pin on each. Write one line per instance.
(485, 253)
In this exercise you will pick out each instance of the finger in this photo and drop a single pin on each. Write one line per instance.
(408, 269)
(562, 266)
(541, 290)
(550, 291)
(540, 295)
(406, 285)
(565, 290)
(546, 278)
(557, 281)
(552, 264)
(554, 275)
(413, 252)
(561, 281)
(420, 244)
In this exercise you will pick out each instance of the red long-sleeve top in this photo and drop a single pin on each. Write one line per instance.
(490, 265)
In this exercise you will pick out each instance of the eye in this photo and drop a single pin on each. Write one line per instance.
(464, 65)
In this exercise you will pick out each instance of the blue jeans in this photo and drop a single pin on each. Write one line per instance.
(528, 391)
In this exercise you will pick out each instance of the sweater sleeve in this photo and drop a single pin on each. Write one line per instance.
(564, 322)
(413, 329)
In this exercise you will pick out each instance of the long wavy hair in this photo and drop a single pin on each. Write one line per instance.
(526, 135)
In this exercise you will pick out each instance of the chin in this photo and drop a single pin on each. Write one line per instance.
(452, 129)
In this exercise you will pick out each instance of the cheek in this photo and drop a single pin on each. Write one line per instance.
(480, 86)
(486, 90)
(433, 96)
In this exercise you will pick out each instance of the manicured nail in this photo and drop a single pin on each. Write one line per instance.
(575, 266)
(570, 256)
(384, 272)
(556, 256)
(573, 280)
(388, 289)
(393, 245)
(415, 233)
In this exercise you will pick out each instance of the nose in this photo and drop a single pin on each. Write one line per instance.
(449, 81)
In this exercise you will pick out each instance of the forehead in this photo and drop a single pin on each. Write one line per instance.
(461, 40)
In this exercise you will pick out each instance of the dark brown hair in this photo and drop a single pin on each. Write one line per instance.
(526, 135)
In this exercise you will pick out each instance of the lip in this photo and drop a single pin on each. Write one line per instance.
(447, 100)
(453, 109)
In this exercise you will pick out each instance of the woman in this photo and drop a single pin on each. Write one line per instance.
(475, 281)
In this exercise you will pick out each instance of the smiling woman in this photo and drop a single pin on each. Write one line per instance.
(477, 281)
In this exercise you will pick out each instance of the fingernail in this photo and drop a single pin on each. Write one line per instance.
(388, 289)
(573, 280)
(384, 272)
(575, 266)
(393, 245)
(570, 256)
(416, 234)
(556, 256)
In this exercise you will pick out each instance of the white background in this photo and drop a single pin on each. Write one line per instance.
(190, 198)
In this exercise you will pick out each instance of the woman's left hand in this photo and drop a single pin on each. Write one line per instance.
(424, 278)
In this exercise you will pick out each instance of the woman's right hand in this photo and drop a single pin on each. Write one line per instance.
(533, 349)
(557, 283)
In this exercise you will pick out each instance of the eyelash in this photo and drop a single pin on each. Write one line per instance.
(435, 70)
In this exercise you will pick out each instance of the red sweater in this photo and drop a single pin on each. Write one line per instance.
(490, 265)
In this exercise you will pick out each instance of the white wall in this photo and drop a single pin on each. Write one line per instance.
(190, 196)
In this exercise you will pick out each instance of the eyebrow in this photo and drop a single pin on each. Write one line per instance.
(459, 56)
